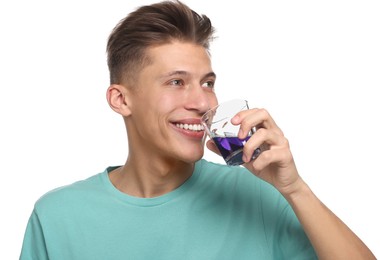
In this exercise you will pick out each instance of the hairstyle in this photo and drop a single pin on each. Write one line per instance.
(152, 25)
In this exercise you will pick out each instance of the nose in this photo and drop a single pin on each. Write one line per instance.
(199, 99)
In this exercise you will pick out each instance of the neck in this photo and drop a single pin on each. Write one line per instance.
(150, 178)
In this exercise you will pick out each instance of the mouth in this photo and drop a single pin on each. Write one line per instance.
(190, 128)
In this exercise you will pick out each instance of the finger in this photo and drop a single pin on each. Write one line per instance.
(281, 157)
(265, 140)
(259, 118)
(212, 147)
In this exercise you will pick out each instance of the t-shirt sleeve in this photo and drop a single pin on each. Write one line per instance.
(285, 235)
(33, 246)
(292, 242)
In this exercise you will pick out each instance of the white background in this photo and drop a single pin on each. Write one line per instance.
(315, 65)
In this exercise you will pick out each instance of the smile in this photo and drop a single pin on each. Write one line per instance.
(191, 127)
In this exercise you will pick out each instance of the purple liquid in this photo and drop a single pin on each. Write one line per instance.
(231, 149)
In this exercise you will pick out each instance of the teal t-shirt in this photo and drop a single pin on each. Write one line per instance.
(220, 212)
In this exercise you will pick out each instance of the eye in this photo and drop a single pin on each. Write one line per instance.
(209, 84)
(176, 82)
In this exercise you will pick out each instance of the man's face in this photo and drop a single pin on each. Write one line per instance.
(171, 95)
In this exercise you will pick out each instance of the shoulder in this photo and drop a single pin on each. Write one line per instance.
(217, 170)
(241, 179)
(235, 178)
(70, 194)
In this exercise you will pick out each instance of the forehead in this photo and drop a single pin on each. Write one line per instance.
(179, 56)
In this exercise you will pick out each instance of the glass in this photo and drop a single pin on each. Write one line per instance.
(218, 126)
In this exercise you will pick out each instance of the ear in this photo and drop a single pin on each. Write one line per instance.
(117, 99)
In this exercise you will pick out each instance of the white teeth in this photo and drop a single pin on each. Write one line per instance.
(192, 127)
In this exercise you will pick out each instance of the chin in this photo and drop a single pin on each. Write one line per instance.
(188, 152)
(193, 157)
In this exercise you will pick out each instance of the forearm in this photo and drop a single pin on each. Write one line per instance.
(330, 237)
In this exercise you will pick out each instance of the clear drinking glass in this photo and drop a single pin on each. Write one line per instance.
(218, 126)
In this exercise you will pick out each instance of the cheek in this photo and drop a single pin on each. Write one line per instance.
(168, 102)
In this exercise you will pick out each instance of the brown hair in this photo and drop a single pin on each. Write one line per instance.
(151, 25)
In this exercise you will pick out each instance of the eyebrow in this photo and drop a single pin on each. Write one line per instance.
(185, 73)
(210, 74)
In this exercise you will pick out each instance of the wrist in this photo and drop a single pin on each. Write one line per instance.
(299, 191)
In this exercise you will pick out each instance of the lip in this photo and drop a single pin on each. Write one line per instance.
(188, 133)
(188, 121)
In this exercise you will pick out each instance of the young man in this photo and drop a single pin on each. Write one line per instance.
(166, 202)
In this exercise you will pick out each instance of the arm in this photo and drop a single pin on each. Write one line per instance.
(33, 246)
(330, 237)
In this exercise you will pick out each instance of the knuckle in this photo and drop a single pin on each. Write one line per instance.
(264, 113)
(261, 132)
(285, 142)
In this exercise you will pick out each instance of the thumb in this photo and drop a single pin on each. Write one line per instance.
(212, 147)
